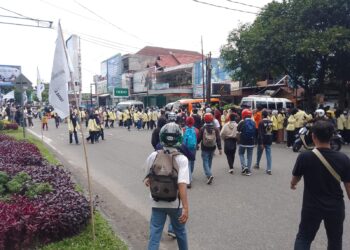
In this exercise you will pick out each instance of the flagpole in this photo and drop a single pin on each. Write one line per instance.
(84, 144)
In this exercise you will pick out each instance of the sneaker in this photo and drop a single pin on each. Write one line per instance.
(172, 234)
(244, 170)
(210, 179)
(231, 171)
(268, 172)
(248, 173)
(189, 186)
(256, 166)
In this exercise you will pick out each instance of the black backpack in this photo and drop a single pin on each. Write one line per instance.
(163, 176)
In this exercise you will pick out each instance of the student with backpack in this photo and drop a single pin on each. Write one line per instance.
(229, 135)
(265, 137)
(209, 138)
(167, 177)
(246, 128)
(190, 141)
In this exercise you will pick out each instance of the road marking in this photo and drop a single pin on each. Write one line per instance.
(47, 140)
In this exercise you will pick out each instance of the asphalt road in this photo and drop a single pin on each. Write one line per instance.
(235, 212)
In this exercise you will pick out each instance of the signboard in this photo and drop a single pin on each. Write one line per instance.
(103, 70)
(218, 72)
(9, 74)
(73, 49)
(114, 71)
(221, 89)
(121, 92)
(160, 86)
(101, 87)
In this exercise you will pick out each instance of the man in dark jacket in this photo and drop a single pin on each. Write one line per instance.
(264, 141)
(209, 138)
(197, 119)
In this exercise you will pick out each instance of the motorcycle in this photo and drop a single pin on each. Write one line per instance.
(303, 138)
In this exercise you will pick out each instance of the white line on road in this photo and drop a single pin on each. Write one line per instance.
(47, 140)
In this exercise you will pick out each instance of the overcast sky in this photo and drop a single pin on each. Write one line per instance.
(130, 24)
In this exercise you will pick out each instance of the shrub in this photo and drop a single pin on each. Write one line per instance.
(57, 214)
(11, 126)
(19, 152)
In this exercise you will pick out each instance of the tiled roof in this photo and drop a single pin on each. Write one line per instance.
(157, 51)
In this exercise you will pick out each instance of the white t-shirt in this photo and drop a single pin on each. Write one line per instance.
(183, 177)
(216, 123)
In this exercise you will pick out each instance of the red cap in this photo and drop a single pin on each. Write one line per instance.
(189, 121)
(208, 118)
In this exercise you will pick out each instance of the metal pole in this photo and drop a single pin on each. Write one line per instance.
(203, 71)
(22, 92)
(91, 95)
(85, 152)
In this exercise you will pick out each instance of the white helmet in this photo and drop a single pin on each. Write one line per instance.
(319, 112)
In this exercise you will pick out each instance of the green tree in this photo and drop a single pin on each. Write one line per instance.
(309, 40)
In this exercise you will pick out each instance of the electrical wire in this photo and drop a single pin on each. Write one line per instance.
(223, 7)
(13, 12)
(104, 45)
(102, 39)
(69, 11)
(244, 4)
(110, 23)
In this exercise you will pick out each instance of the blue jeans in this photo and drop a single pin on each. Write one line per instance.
(158, 219)
(207, 157)
(268, 155)
(241, 152)
(191, 164)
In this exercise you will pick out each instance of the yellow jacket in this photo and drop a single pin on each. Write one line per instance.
(154, 116)
(347, 122)
(300, 118)
(280, 120)
(291, 123)
(274, 122)
(136, 116)
(92, 125)
(112, 115)
(145, 117)
(341, 122)
(70, 126)
(126, 115)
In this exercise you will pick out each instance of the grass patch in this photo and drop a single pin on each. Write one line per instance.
(105, 239)
(18, 134)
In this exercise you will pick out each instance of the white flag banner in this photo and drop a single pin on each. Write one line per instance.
(40, 87)
(24, 97)
(60, 76)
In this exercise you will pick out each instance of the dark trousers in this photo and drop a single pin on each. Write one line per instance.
(274, 135)
(310, 223)
(100, 134)
(290, 138)
(347, 135)
(128, 123)
(45, 125)
(106, 124)
(75, 137)
(92, 136)
(152, 124)
(230, 151)
(112, 124)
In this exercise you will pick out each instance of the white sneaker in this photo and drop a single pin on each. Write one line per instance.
(231, 171)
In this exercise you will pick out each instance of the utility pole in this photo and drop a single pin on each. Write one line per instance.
(203, 83)
(208, 64)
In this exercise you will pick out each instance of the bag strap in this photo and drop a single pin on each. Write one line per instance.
(326, 164)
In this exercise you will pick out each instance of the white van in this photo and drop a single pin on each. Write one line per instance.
(121, 106)
(268, 102)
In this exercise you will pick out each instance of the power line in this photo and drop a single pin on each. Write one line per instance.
(13, 12)
(104, 40)
(248, 5)
(223, 7)
(110, 23)
(69, 11)
(103, 45)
